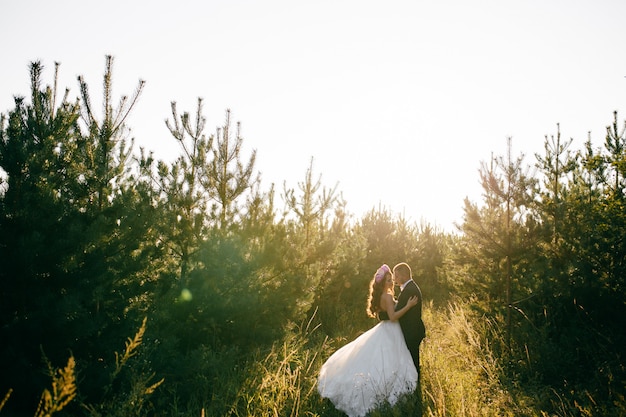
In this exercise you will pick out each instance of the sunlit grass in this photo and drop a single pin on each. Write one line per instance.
(283, 383)
(127, 401)
(131, 399)
(6, 398)
(63, 390)
(461, 375)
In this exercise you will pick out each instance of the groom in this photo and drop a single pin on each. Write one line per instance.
(411, 323)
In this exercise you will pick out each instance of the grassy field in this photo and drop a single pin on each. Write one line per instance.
(462, 375)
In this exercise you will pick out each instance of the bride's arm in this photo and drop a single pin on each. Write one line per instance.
(390, 306)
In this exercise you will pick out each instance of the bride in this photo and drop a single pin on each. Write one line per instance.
(376, 367)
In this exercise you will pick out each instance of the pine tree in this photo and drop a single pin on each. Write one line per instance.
(308, 245)
(229, 175)
(37, 225)
(71, 228)
(185, 189)
(499, 237)
(106, 152)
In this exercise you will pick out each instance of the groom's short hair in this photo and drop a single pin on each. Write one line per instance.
(404, 270)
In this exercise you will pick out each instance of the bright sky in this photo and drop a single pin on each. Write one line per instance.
(397, 101)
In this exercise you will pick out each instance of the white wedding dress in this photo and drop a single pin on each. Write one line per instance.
(374, 368)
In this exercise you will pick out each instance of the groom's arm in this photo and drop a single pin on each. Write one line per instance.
(409, 291)
(402, 300)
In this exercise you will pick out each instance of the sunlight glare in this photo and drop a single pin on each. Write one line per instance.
(185, 295)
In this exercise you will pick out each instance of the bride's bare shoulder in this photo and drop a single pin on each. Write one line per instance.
(386, 299)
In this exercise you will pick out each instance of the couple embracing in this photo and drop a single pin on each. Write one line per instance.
(383, 363)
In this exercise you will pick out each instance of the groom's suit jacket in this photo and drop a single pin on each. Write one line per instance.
(411, 323)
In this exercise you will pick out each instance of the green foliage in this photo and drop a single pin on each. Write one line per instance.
(37, 230)
(283, 383)
(564, 259)
(118, 399)
(246, 302)
(230, 176)
(74, 261)
(104, 154)
(130, 383)
(184, 190)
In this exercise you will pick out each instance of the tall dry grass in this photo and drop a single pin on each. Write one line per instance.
(461, 376)
(128, 400)
(283, 382)
(464, 373)
(62, 392)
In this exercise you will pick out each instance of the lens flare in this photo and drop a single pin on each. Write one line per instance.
(185, 295)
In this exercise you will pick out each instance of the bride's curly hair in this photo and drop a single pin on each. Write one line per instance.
(377, 286)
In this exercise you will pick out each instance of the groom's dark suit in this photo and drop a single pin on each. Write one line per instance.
(411, 323)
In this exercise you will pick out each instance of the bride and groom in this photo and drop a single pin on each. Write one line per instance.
(383, 363)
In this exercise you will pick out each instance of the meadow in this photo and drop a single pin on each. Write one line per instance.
(184, 288)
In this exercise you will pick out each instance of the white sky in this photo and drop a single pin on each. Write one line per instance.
(397, 101)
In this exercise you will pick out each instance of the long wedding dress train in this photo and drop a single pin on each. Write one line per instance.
(373, 368)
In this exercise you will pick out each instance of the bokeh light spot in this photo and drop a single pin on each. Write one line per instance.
(185, 295)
